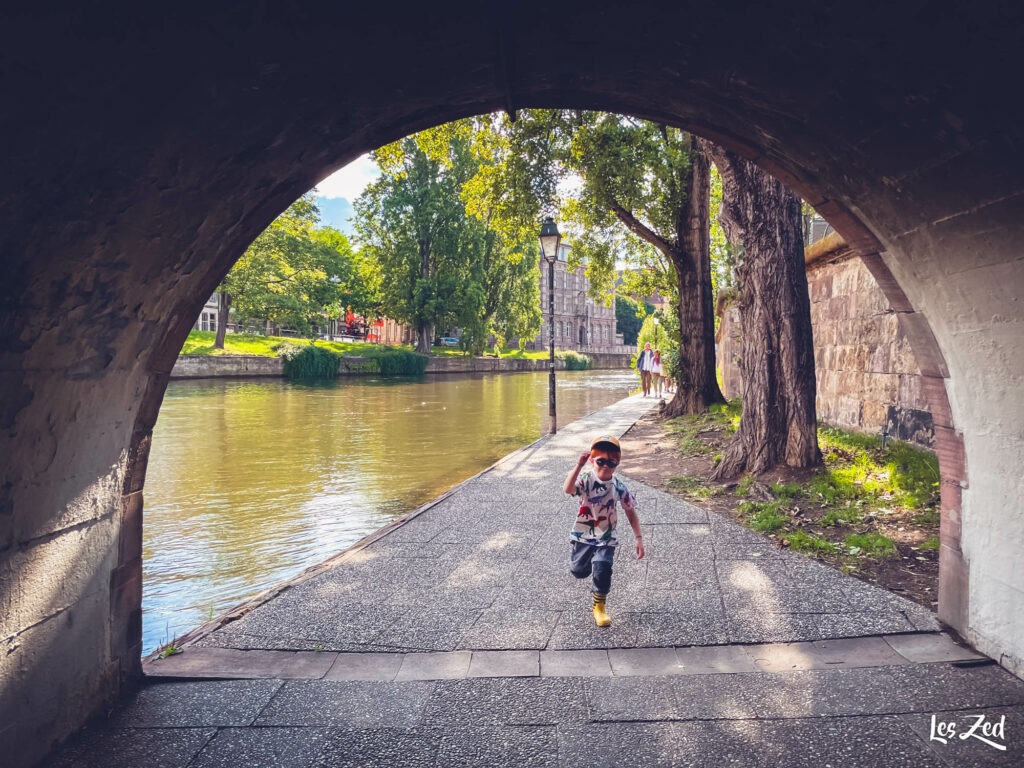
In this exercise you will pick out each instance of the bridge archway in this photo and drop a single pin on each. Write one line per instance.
(147, 151)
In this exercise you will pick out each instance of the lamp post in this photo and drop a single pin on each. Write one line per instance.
(656, 324)
(549, 241)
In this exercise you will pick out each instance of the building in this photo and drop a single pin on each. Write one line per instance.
(208, 318)
(581, 324)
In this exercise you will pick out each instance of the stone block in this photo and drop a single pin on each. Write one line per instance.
(434, 666)
(504, 664)
(365, 666)
(930, 647)
(583, 663)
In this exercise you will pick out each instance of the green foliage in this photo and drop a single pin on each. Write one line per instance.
(440, 257)
(871, 544)
(297, 275)
(402, 362)
(309, 361)
(728, 413)
(574, 361)
(801, 541)
(932, 543)
(629, 317)
(764, 516)
(929, 517)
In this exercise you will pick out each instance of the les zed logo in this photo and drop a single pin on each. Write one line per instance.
(981, 729)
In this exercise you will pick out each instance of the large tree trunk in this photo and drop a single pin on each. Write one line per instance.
(223, 309)
(778, 424)
(697, 381)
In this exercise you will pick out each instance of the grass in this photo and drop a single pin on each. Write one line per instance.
(842, 516)
(764, 516)
(932, 543)
(168, 650)
(801, 541)
(689, 430)
(743, 488)
(694, 487)
(201, 343)
(871, 544)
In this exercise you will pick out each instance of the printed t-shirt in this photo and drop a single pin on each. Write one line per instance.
(598, 515)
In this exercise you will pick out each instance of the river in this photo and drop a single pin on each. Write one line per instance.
(250, 481)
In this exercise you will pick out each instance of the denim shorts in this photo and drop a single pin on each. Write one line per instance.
(587, 560)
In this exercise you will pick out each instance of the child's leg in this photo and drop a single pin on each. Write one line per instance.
(580, 559)
(602, 567)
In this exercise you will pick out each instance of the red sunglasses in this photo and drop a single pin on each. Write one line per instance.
(606, 463)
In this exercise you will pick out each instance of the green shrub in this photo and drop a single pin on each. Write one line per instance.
(402, 363)
(872, 544)
(308, 361)
(574, 361)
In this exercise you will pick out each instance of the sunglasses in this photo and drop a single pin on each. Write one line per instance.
(606, 463)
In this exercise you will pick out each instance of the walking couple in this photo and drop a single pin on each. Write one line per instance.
(652, 372)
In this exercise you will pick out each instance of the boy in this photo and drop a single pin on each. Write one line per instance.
(593, 535)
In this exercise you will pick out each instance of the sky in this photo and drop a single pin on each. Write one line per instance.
(336, 193)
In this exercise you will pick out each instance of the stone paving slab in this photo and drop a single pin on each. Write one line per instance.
(457, 577)
(865, 716)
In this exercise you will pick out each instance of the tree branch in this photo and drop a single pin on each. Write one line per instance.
(638, 228)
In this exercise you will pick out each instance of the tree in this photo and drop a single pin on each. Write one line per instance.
(436, 264)
(642, 197)
(629, 318)
(763, 218)
(293, 274)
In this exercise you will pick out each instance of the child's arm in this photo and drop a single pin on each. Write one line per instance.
(570, 479)
(634, 523)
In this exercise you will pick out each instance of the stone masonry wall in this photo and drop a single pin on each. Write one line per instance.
(868, 379)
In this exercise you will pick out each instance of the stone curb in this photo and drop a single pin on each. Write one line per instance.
(268, 594)
(857, 652)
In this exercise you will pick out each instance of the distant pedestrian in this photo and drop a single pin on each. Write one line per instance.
(643, 364)
(657, 373)
(593, 535)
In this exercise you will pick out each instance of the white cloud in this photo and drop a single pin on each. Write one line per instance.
(350, 181)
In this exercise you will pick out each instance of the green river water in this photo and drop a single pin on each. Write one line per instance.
(250, 481)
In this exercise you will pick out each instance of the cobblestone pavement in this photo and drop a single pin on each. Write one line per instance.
(459, 638)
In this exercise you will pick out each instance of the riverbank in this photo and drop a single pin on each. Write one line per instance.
(216, 366)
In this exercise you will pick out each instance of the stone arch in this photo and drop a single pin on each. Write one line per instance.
(140, 173)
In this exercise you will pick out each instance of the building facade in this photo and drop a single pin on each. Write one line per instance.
(208, 318)
(581, 324)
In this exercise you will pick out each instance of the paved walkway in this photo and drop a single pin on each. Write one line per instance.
(459, 638)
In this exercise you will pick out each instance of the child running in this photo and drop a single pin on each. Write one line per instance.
(593, 535)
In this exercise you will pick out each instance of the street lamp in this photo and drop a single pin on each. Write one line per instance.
(550, 238)
(656, 324)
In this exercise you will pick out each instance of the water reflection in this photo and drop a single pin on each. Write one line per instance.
(251, 481)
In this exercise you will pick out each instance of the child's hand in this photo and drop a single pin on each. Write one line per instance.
(584, 458)
(639, 549)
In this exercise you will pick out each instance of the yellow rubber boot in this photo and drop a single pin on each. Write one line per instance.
(601, 618)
